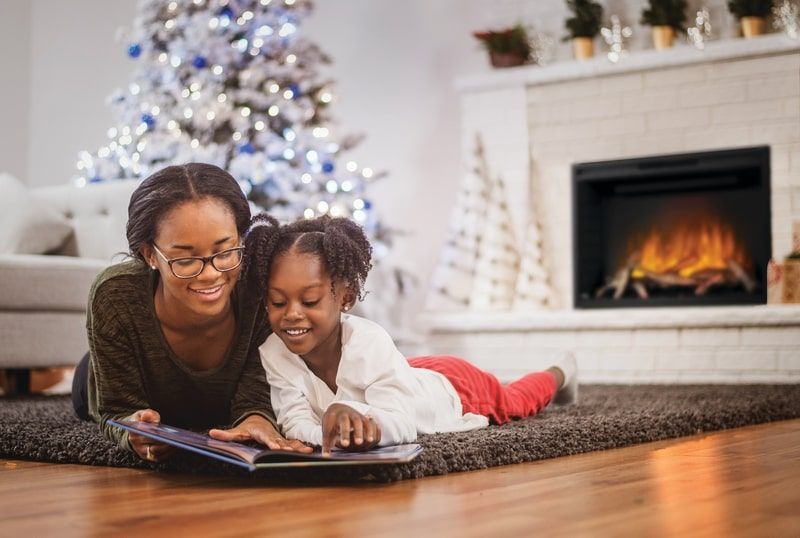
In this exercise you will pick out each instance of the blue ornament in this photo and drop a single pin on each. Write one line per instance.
(95, 179)
(247, 148)
(148, 120)
(226, 12)
(327, 167)
(367, 204)
(199, 62)
(295, 90)
(134, 50)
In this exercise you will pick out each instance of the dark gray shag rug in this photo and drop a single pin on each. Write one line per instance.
(608, 416)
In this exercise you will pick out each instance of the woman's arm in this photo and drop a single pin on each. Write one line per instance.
(116, 390)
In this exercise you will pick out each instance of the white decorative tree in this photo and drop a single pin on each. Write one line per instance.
(533, 289)
(479, 262)
(233, 83)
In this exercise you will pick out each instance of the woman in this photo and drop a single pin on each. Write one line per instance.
(173, 334)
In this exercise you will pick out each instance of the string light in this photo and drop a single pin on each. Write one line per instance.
(322, 207)
(308, 213)
(306, 178)
(367, 173)
(222, 98)
(259, 125)
(273, 110)
(287, 29)
(291, 58)
(245, 111)
(351, 166)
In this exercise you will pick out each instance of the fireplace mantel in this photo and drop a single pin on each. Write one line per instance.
(636, 61)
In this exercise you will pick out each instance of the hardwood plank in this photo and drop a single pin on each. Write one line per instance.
(739, 482)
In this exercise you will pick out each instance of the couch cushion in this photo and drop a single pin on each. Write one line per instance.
(26, 226)
(97, 213)
(51, 283)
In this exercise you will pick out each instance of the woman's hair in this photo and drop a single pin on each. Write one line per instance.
(175, 185)
(339, 243)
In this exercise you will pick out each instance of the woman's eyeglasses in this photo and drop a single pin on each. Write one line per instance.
(191, 266)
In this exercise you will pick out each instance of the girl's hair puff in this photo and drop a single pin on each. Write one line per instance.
(338, 242)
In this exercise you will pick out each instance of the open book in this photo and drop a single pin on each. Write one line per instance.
(253, 458)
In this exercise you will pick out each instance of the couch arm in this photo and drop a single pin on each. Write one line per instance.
(47, 283)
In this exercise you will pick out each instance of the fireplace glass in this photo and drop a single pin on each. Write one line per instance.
(672, 230)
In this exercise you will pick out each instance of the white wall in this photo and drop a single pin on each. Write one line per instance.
(394, 63)
(15, 65)
(75, 64)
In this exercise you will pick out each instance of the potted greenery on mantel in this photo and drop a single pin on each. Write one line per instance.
(508, 47)
(751, 15)
(583, 26)
(666, 17)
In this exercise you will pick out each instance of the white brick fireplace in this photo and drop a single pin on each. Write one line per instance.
(537, 121)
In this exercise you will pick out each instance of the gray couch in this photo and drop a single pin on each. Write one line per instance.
(43, 298)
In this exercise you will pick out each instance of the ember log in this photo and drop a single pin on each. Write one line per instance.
(742, 276)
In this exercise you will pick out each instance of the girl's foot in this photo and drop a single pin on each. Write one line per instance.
(568, 391)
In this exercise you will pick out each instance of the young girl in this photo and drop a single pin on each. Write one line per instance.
(337, 379)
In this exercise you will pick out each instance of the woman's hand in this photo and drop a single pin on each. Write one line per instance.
(348, 429)
(257, 428)
(147, 448)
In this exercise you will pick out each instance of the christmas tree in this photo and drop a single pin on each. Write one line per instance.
(234, 83)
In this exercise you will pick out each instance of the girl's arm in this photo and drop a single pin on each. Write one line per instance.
(375, 366)
(295, 415)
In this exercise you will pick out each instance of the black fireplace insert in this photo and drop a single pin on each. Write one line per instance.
(687, 229)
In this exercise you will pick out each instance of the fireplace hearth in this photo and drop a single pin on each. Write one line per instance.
(672, 230)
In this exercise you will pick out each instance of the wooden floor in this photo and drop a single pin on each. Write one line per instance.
(743, 482)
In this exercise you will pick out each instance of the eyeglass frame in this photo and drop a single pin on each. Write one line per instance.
(204, 259)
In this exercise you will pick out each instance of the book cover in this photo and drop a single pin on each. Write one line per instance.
(253, 458)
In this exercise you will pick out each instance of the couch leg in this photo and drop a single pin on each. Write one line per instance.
(19, 381)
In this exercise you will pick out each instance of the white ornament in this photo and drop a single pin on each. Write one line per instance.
(787, 18)
(701, 31)
(615, 39)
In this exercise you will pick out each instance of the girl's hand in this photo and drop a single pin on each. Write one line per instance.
(257, 428)
(147, 448)
(348, 429)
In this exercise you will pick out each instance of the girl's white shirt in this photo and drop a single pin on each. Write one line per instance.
(374, 378)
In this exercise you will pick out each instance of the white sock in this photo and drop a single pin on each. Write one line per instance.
(568, 393)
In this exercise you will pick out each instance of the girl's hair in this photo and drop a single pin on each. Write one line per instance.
(339, 243)
(175, 185)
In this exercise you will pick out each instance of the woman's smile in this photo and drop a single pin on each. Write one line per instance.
(209, 294)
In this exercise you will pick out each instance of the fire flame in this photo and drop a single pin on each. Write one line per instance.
(688, 248)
